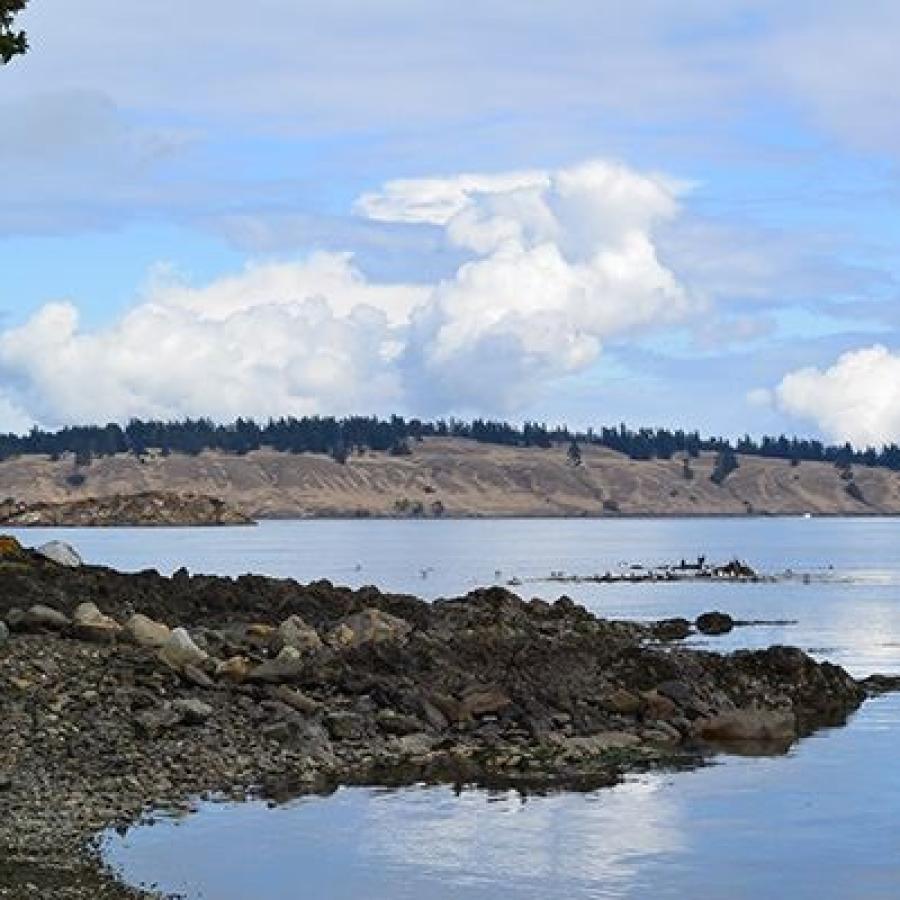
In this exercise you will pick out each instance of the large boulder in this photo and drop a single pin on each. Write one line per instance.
(369, 626)
(294, 632)
(61, 553)
(92, 625)
(180, 651)
(44, 618)
(145, 632)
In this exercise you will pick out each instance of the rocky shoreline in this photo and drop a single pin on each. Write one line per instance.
(146, 508)
(124, 693)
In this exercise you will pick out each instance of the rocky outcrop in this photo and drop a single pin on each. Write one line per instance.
(203, 683)
(148, 508)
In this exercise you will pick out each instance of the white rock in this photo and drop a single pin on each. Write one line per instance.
(180, 651)
(61, 553)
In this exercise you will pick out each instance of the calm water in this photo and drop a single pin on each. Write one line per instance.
(820, 822)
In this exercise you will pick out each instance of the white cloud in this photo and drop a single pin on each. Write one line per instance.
(558, 262)
(857, 399)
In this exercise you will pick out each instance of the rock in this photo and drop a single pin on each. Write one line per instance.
(152, 722)
(714, 623)
(874, 684)
(484, 701)
(92, 625)
(144, 632)
(671, 629)
(658, 706)
(392, 722)
(45, 618)
(197, 677)
(287, 665)
(677, 691)
(748, 725)
(621, 702)
(369, 626)
(259, 630)
(294, 632)
(417, 744)
(345, 726)
(180, 651)
(295, 699)
(10, 549)
(596, 744)
(236, 669)
(61, 553)
(192, 711)
(4, 633)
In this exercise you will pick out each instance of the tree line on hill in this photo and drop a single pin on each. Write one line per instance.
(341, 438)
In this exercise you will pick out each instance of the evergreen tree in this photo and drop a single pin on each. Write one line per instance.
(13, 42)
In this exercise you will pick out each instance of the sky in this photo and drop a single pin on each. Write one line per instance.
(667, 214)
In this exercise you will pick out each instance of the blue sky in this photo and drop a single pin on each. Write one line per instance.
(675, 214)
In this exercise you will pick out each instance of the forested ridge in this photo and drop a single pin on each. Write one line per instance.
(342, 437)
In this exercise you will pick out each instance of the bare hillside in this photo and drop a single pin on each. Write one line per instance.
(452, 477)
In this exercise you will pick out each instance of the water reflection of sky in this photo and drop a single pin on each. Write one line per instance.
(849, 613)
(819, 823)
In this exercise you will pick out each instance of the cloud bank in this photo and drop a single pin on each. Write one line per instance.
(555, 264)
(857, 399)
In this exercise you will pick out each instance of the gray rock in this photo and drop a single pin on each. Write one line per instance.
(4, 633)
(345, 726)
(287, 665)
(180, 651)
(192, 710)
(294, 632)
(41, 618)
(61, 553)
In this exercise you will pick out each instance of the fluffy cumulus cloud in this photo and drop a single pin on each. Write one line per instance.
(856, 399)
(555, 264)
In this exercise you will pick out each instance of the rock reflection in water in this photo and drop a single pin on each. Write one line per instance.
(818, 823)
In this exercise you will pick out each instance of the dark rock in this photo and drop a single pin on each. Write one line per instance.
(714, 623)
(676, 691)
(671, 629)
(345, 726)
(396, 723)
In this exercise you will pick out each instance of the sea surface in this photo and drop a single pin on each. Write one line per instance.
(821, 822)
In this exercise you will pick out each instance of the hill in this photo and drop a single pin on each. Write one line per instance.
(456, 477)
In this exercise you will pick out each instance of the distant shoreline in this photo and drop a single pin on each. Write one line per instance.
(448, 478)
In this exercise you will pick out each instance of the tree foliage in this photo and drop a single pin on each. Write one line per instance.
(13, 41)
(341, 438)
